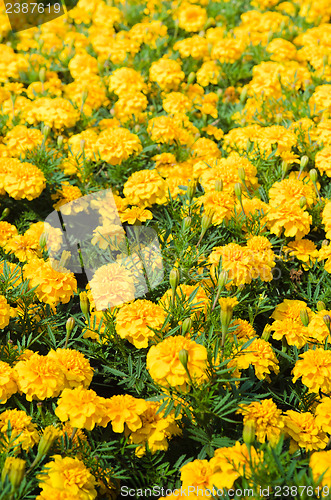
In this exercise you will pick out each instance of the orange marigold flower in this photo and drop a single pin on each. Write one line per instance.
(314, 368)
(39, 377)
(8, 385)
(23, 431)
(290, 309)
(69, 476)
(260, 355)
(304, 432)
(75, 366)
(166, 369)
(136, 322)
(83, 408)
(145, 188)
(155, 431)
(267, 418)
(125, 410)
(290, 217)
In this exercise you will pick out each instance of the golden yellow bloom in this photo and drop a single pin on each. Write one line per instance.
(136, 322)
(134, 215)
(22, 180)
(314, 368)
(166, 369)
(39, 377)
(23, 431)
(67, 194)
(261, 356)
(6, 232)
(145, 188)
(304, 432)
(267, 418)
(323, 414)
(289, 216)
(4, 312)
(167, 73)
(8, 385)
(21, 138)
(66, 475)
(117, 145)
(83, 408)
(125, 411)
(57, 113)
(23, 246)
(320, 463)
(326, 217)
(191, 18)
(75, 366)
(124, 80)
(196, 474)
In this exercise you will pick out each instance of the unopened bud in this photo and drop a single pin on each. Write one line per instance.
(186, 326)
(327, 320)
(42, 240)
(241, 174)
(5, 213)
(14, 468)
(238, 190)
(304, 162)
(46, 131)
(191, 78)
(82, 144)
(320, 305)
(303, 202)
(304, 317)
(50, 434)
(84, 95)
(325, 243)
(183, 357)
(42, 75)
(192, 187)
(243, 95)
(325, 60)
(222, 280)
(206, 220)
(218, 185)
(313, 175)
(84, 303)
(285, 167)
(266, 333)
(60, 141)
(70, 324)
(249, 433)
(174, 278)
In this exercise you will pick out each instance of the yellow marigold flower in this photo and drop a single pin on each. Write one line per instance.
(322, 161)
(314, 368)
(326, 218)
(82, 63)
(304, 250)
(320, 463)
(83, 408)
(21, 138)
(136, 322)
(166, 73)
(7, 231)
(22, 180)
(192, 18)
(53, 286)
(131, 107)
(230, 463)
(57, 113)
(155, 431)
(323, 414)
(166, 369)
(112, 284)
(236, 260)
(23, 246)
(291, 190)
(294, 332)
(228, 50)
(221, 203)
(290, 309)
(163, 129)
(281, 50)
(4, 312)
(134, 215)
(303, 431)
(289, 216)
(196, 474)
(267, 418)
(207, 74)
(325, 254)
(8, 385)
(66, 194)
(176, 102)
(23, 431)
(243, 330)
(261, 356)
(145, 188)
(66, 475)
(317, 329)
(125, 410)
(117, 145)
(195, 46)
(124, 80)
(75, 366)
(108, 235)
(39, 377)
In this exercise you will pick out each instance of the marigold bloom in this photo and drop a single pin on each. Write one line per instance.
(117, 145)
(155, 431)
(8, 385)
(125, 410)
(135, 215)
(166, 73)
(261, 356)
(320, 463)
(323, 414)
(57, 113)
(66, 194)
(23, 431)
(314, 368)
(21, 138)
(39, 377)
(165, 367)
(23, 246)
(136, 322)
(289, 216)
(22, 180)
(69, 476)
(294, 331)
(75, 366)
(304, 432)
(124, 80)
(145, 188)
(83, 408)
(267, 418)
(4, 312)
(6, 232)
(304, 250)
(326, 218)
(197, 474)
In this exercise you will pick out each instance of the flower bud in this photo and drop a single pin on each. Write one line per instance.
(320, 305)
(42, 75)
(186, 223)
(14, 468)
(5, 213)
(50, 434)
(304, 317)
(222, 280)
(266, 332)
(304, 162)
(192, 187)
(183, 357)
(84, 303)
(42, 240)
(60, 141)
(70, 325)
(243, 95)
(218, 185)
(285, 167)
(84, 95)
(241, 174)
(186, 326)
(46, 131)
(303, 202)
(174, 278)
(249, 432)
(238, 190)
(206, 220)
(82, 144)
(325, 60)
(327, 320)
(191, 78)
(313, 175)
